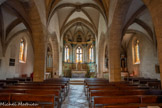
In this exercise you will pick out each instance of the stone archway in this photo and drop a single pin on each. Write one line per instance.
(101, 60)
(116, 33)
(55, 51)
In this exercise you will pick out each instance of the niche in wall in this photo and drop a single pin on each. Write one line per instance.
(157, 68)
(11, 62)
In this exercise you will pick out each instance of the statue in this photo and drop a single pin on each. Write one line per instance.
(79, 66)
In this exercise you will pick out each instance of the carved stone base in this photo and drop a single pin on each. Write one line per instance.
(78, 74)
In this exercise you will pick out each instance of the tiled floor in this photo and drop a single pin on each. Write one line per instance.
(76, 98)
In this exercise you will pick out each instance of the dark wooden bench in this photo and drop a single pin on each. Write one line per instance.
(63, 85)
(43, 100)
(9, 82)
(122, 92)
(39, 106)
(101, 101)
(154, 85)
(134, 105)
(36, 91)
(39, 85)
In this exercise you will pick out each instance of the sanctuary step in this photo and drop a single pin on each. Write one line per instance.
(77, 81)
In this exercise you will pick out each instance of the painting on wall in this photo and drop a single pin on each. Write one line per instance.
(157, 68)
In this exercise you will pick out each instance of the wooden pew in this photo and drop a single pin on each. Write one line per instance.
(39, 106)
(134, 105)
(2, 84)
(144, 81)
(62, 84)
(36, 91)
(45, 99)
(61, 81)
(4, 97)
(116, 100)
(94, 93)
(145, 101)
(121, 92)
(42, 100)
(110, 88)
(101, 101)
(9, 82)
(151, 99)
(154, 85)
(93, 80)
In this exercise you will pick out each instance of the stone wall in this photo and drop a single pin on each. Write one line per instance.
(148, 58)
(12, 51)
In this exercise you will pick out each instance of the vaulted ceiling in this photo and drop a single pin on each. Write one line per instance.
(87, 12)
(61, 15)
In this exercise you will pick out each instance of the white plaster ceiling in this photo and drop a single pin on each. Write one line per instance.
(16, 29)
(41, 9)
(63, 14)
(76, 15)
(78, 2)
(137, 27)
(79, 9)
(135, 5)
(146, 18)
(141, 15)
(94, 17)
(126, 40)
(8, 17)
(111, 10)
(79, 27)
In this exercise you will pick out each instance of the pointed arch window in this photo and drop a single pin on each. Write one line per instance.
(67, 52)
(91, 54)
(22, 51)
(136, 52)
(79, 55)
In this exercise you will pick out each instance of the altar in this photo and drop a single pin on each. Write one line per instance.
(78, 73)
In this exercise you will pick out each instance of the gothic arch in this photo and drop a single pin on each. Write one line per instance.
(101, 56)
(55, 51)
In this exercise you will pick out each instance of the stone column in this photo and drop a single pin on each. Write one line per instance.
(114, 60)
(114, 40)
(38, 42)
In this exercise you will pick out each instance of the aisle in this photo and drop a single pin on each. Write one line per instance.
(76, 98)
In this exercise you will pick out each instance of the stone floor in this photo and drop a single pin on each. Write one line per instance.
(76, 98)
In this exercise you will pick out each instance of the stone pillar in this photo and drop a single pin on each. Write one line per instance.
(114, 60)
(114, 40)
(38, 42)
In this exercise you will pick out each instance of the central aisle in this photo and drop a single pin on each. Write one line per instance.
(76, 98)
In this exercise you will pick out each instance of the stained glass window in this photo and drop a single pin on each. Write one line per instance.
(79, 55)
(91, 56)
(67, 54)
(137, 58)
(22, 51)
